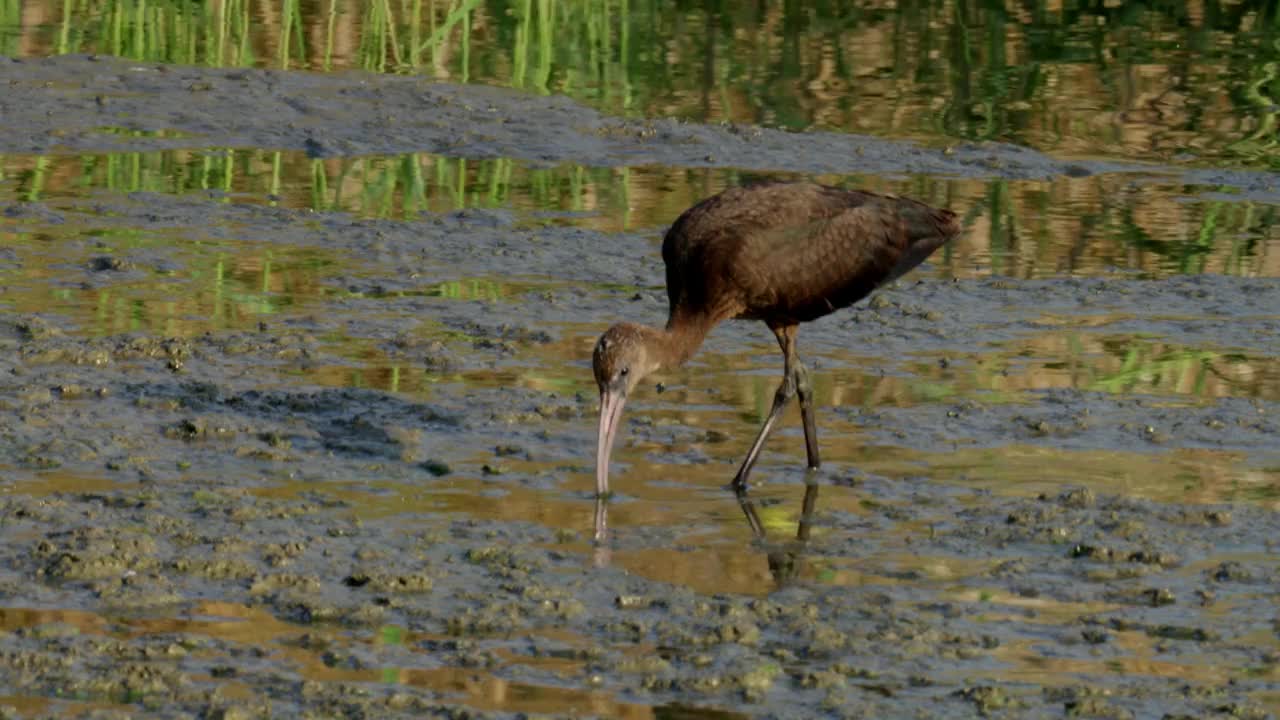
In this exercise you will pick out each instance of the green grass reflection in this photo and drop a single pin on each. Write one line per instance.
(1017, 228)
(1158, 80)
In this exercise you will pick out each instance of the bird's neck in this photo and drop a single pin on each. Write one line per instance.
(679, 340)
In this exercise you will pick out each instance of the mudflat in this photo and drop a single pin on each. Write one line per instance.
(261, 460)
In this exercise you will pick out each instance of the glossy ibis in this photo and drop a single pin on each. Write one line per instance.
(784, 253)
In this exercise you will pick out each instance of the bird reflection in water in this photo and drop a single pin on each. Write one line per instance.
(786, 560)
(786, 557)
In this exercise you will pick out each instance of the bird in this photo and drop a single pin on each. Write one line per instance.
(780, 252)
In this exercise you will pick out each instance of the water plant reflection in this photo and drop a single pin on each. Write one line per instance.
(1193, 79)
(1031, 228)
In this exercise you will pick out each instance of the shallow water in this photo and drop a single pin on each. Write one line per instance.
(1031, 228)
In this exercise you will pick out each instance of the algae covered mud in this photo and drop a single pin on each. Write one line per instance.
(296, 417)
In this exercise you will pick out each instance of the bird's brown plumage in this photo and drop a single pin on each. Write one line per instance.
(784, 253)
(794, 251)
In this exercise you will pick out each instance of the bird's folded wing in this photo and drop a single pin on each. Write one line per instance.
(807, 270)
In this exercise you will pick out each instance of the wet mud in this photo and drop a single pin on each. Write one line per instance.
(371, 496)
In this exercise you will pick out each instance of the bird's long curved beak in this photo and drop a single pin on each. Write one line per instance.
(611, 402)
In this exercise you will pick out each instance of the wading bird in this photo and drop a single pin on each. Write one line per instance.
(784, 253)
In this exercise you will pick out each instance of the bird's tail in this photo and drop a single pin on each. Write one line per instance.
(927, 228)
(926, 223)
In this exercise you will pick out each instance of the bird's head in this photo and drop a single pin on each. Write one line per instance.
(622, 359)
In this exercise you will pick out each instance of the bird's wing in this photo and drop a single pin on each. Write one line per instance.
(706, 249)
(803, 270)
(794, 250)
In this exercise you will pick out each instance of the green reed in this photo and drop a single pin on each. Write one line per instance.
(987, 70)
(10, 21)
(290, 34)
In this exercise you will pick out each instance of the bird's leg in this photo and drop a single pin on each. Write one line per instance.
(786, 335)
(804, 389)
(785, 392)
(749, 509)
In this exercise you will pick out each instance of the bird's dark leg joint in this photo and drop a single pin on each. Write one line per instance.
(786, 391)
(804, 386)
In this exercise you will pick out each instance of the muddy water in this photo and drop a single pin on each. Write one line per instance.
(310, 430)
